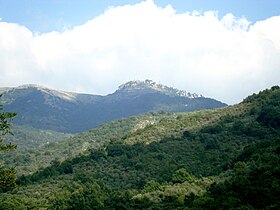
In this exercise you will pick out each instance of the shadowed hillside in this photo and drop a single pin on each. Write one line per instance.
(67, 112)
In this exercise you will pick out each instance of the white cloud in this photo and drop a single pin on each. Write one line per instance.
(225, 58)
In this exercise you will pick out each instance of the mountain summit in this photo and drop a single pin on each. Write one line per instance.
(45, 108)
(149, 86)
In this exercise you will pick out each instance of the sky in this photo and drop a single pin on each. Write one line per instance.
(221, 49)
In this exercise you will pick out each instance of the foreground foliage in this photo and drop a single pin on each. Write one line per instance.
(7, 175)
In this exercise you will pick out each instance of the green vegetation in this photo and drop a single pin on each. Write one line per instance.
(28, 138)
(226, 158)
(30, 160)
(7, 175)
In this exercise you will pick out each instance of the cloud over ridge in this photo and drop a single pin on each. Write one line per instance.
(226, 58)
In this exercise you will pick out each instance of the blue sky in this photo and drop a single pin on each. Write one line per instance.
(49, 15)
(220, 49)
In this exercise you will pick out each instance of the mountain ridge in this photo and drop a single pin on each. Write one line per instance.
(130, 86)
(69, 112)
(151, 86)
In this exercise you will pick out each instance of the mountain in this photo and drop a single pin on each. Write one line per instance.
(212, 159)
(68, 112)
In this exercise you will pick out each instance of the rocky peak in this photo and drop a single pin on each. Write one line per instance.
(151, 86)
(48, 93)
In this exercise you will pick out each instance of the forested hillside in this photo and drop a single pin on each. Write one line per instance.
(28, 138)
(226, 158)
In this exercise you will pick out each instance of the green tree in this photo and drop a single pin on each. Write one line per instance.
(89, 196)
(181, 175)
(11, 202)
(7, 176)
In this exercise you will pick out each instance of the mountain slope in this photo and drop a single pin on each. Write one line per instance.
(29, 161)
(28, 138)
(61, 111)
(216, 159)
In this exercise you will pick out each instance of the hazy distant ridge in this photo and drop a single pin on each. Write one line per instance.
(62, 111)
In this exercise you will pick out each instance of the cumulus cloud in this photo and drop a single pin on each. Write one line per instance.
(221, 57)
